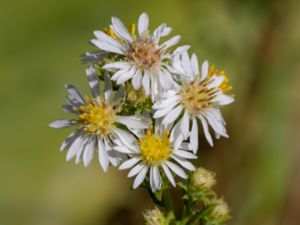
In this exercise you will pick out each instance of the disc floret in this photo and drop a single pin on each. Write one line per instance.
(97, 117)
(196, 96)
(154, 148)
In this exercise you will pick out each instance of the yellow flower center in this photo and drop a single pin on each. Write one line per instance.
(155, 149)
(144, 53)
(97, 117)
(196, 96)
(224, 86)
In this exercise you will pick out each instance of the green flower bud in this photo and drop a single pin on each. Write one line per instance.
(203, 178)
(137, 96)
(154, 217)
(220, 211)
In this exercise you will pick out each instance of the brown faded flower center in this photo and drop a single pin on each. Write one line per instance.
(144, 53)
(196, 96)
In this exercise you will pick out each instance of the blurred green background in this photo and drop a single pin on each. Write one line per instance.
(258, 44)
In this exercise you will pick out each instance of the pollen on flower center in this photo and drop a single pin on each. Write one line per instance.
(196, 96)
(97, 117)
(154, 148)
(144, 53)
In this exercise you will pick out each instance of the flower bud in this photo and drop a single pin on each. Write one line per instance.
(220, 211)
(203, 178)
(154, 217)
(137, 96)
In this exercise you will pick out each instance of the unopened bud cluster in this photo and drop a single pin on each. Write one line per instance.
(154, 217)
(214, 210)
(203, 178)
(220, 211)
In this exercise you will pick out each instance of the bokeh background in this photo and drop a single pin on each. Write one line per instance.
(257, 42)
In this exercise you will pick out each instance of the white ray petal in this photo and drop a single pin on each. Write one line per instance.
(195, 65)
(133, 122)
(143, 23)
(140, 177)
(62, 123)
(79, 154)
(206, 130)
(224, 99)
(88, 152)
(103, 37)
(169, 175)
(103, 155)
(171, 42)
(215, 81)
(74, 93)
(157, 177)
(124, 136)
(75, 147)
(172, 115)
(215, 124)
(120, 29)
(137, 79)
(114, 157)
(123, 149)
(160, 31)
(185, 124)
(70, 109)
(146, 83)
(129, 163)
(176, 169)
(204, 70)
(185, 154)
(186, 63)
(162, 112)
(136, 169)
(176, 64)
(176, 131)
(116, 66)
(184, 163)
(70, 139)
(181, 49)
(152, 182)
(126, 76)
(178, 142)
(165, 79)
(106, 46)
(120, 73)
(165, 102)
(194, 135)
(107, 88)
(93, 80)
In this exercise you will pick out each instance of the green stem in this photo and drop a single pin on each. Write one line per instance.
(154, 199)
(167, 200)
(195, 220)
(168, 205)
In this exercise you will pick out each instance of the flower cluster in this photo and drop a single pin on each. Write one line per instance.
(202, 206)
(148, 101)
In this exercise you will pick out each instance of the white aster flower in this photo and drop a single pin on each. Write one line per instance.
(97, 122)
(198, 99)
(155, 153)
(143, 59)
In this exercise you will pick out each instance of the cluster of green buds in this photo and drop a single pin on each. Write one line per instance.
(154, 217)
(200, 205)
